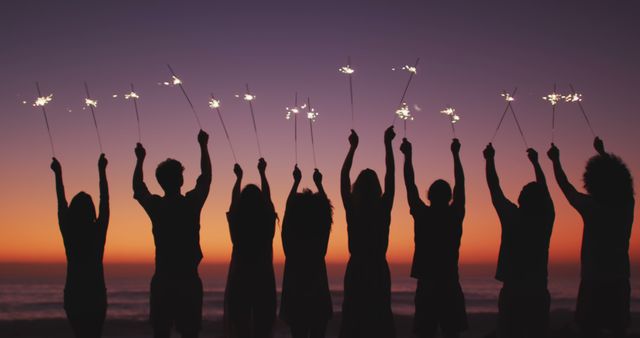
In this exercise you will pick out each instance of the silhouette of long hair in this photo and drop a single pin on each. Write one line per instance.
(169, 174)
(440, 192)
(366, 189)
(530, 198)
(81, 209)
(312, 210)
(608, 180)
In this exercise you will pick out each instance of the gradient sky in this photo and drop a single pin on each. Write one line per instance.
(469, 51)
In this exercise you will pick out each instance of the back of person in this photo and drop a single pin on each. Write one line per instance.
(368, 229)
(84, 247)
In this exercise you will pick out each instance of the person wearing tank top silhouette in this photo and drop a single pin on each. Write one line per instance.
(176, 288)
(439, 299)
(366, 308)
(84, 236)
(306, 301)
(607, 211)
(250, 295)
(523, 304)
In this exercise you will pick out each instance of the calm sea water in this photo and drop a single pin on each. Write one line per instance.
(34, 291)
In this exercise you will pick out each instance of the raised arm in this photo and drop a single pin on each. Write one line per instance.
(235, 193)
(575, 198)
(459, 197)
(139, 188)
(409, 178)
(103, 216)
(345, 180)
(540, 178)
(317, 179)
(390, 175)
(297, 176)
(262, 168)
(203, 183)
(62, 199)
(497, 196)
(598, 144)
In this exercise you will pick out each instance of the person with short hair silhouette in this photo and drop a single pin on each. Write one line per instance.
(84, 236)
(176, 288)
(439, 299)
(523, 304)
(607, 210)
(250, 295)
(306, 301)
(366, 308)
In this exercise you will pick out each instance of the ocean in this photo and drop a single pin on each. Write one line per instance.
(34, 291)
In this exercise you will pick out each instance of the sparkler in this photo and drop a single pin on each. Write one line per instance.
(349, 71)
(249, 98)
(42, 101)
(553, 98)
(215, 104)
(509, 98)
(413, 70)
(175, 81)
(453, 117)
(576, 97)
(92, 104)
(312, 115)
(134, 97)
(404, 114)
(294, 112)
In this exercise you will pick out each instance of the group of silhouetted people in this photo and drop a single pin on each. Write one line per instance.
(250, 301)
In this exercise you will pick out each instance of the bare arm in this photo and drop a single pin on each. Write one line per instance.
(345, 180)
(317, 179)
(574, 197)
(497, 196)
(262, 168)
(204, 181)
(390, 175)
(297, 176)
(413, 196)
(235, 193)
(140, 190)
(62, 199)
(459, 197)
(103, 217)
(540, 178)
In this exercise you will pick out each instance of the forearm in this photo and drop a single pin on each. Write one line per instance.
(104, 185)
(320, 188)
(390, 168)
(235, 193)
(265, 185)
(409, 178)
(62, 199)
(540, 178)
(458, 173)
(205, 162)
(138, 178)
(492, 176)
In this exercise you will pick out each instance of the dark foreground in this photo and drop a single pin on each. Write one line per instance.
(481, 325)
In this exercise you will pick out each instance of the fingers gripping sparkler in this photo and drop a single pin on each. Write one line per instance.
(177, 82)
(92, 104)
(215, 104)
(42, 101)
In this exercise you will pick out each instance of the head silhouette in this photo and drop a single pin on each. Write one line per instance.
(367, 186)
(608, 180)
(439, 193)
(312, 212)
(82, 209)
(251, 199)
(169, 175)
(531, 197)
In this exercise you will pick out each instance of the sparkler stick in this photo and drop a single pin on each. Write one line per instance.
(453, 117)
(576, 97)
(91, 103)
(509, 98)
(404, 114)
(134, 96)
(215, 104)
(553, 98)
(41, 101)
(312, 115)
(349, 71)
(524, 140)
(412, 71)
(294, 112)
(248, 97)
(177, 81)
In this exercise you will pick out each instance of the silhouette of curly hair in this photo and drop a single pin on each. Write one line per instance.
(608, 180)
(169, 174)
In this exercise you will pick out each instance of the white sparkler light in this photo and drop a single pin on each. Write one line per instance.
(410, 69)
(43, 100)
(291, 112)
(249, 97)
(114, 96)
(448, 111)
(553, 98)
(574, 97)
(507, 97)
(346, 70)
(214, 104)
(404, 113)
(312, 115)
(131, 95)
(175, 80)
(455, 118)
(90, 103)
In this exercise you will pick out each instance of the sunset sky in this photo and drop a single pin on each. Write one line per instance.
(470, 51)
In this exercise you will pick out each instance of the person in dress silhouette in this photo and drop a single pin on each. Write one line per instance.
(176, 288)
(306, 301)
(523, 304)
(84, 236)
(607, 210)
(439, 299)
(366, 308)
(250, 295)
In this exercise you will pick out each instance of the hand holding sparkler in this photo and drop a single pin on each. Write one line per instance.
(102, 162)
(140, 152)
(297, 174)
(353, 139)
(532, 154)
(262, 165)
(598, 145)
(406, 147)
(389, 135)
(455, 146)
(237, 170)
(203, 138)
(55, 165)
(553, 153)
(488, 152)
(317, 178)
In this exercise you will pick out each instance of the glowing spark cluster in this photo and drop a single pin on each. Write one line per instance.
(451, 113)
(90, 103)
(175, 81)
(246, 97)
(553, 98)
(214, 104)
(131, 95)
(404, 113)
(410, 69)
(574, 97)
(507, 97)
(312, 114)
(291, 112)
(346, 70)
(43, 100)
(114, 96)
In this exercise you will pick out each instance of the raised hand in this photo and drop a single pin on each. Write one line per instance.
(488, 152)
(203, 138)
(317, 177)
(262, 165)
(237, 170)
(389, 134)
(140, 152)
(102, 162)
(599, 146)
(406, 147)
(297, 174)
(553, 153)
(353, 139)
(55, 165)
(455, 146)
(532, 155)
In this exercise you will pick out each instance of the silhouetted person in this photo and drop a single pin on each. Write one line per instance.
(306, 301)
(250, 296)
(439, 299)
(84, 236)
(523, 305)
(607, 213)
(176, 288)
(366, 308)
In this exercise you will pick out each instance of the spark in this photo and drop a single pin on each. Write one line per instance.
(507, 97)
(404, 113)
(455, 118)
(417, 108)
(90, 102)
(312, 114)
(175, 80)
(43, 100)
(24, 102)
(291, 112)
(214, 104)
(131, 95)
(346, 70)
(554, 98)
(448, 111)
(410, 69)
(114, 96)
(574, 97)
(249, 97)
